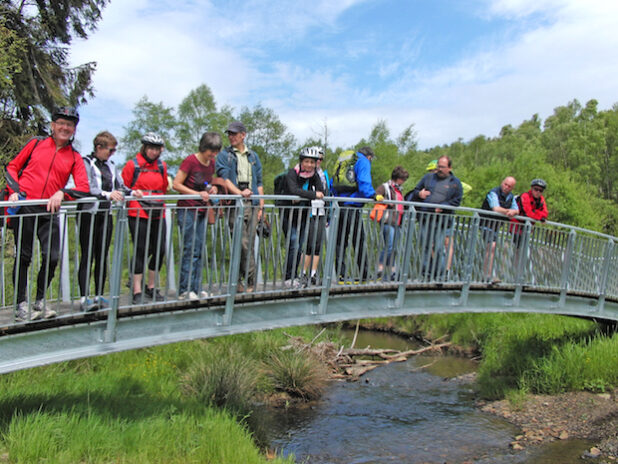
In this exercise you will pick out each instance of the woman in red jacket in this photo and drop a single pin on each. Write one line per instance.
(147, 173)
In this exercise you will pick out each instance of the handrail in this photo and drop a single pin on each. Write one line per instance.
(463, 249)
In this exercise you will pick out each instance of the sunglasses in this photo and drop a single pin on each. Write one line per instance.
(537, 189)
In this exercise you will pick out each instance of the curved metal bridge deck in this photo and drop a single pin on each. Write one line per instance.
(441, 263)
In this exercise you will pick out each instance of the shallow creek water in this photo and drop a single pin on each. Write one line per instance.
(404, 413)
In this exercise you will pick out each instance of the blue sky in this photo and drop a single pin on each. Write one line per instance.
(454, 69)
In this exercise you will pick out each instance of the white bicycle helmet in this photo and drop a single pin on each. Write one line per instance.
(153, 139)
(539, 183)
(310, 152)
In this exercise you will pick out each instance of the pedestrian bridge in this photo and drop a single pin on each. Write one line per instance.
(440, 263)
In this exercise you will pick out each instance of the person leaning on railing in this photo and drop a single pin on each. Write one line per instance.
(391, 221)
(308, 221)
(148, 173)
(241, 169)
(95, 219)
(499, 200)
(195, 177)
(441, 187)
(41, 171)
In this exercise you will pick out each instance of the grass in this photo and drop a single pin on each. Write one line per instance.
(297, 373)
(181, 403)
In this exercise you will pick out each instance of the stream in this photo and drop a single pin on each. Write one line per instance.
(406, 413)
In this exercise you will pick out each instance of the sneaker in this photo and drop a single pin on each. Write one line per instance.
(204, 294)
(22, 313)
(101, 302)
(315, 280)
(154, 294)
(88, 304)
(46, 311)
(137, 298)
(304, 281)
(379, 275)
(288, 283)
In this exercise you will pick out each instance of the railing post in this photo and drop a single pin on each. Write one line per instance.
(468, 266)
(116, 273)
(329, 264)
(604, 274)
(409, 224)
(522, 262)
(566, 269)
(239, 210)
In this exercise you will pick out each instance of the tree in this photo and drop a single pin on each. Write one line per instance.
(151, 117)
(197, 113)
(36, 76)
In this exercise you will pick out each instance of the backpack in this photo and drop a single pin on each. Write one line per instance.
(137, 169)
(344, 179)
(279, 183)
(15, 185)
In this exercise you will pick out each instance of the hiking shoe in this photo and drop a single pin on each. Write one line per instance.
(22, 313)
(101, 302)
(192, 296)
(154, 294)
(137, 298)
(88, 305)
(315, 280)
(304, 281)
(46, 311)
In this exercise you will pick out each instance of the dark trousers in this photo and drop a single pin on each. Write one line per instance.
(351, 233)
(148, 236)
(33, 220)
(94, 250)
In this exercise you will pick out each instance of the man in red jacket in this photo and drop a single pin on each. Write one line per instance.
(531, 203)
(41, 171)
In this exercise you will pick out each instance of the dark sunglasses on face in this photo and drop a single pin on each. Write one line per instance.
(537, 189)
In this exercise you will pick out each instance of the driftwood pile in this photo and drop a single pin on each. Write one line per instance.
(351, 363)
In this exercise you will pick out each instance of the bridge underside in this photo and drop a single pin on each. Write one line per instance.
(68, 339)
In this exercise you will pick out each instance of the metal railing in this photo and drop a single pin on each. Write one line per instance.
(461, 247)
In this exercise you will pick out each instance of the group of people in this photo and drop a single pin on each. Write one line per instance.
(42, 169)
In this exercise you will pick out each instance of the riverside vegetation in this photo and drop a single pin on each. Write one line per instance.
(196, 401)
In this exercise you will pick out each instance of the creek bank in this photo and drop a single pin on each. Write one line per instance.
(546, 418)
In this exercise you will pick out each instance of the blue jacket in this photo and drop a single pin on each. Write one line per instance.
(453, 197)
(362, 171)
(226, 167)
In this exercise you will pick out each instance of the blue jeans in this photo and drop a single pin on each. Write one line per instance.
(192, 228)
(391, 237)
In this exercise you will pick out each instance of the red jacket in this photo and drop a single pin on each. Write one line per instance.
(150, 181)
(48, 170)
(532, 208)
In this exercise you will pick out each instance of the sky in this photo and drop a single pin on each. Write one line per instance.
(455, 69)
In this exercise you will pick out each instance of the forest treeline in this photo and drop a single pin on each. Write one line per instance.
(575, 150)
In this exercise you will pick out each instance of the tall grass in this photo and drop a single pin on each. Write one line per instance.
(296, 373)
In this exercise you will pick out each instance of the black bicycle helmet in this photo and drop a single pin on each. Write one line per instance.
(539, 183)
(66, 112)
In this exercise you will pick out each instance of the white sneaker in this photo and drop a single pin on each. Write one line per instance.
(191, 296)
(288, 283)
(204, 295)
(22, 313)
(47, 312)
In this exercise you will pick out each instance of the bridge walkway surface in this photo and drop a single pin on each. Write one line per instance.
(467, 261)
